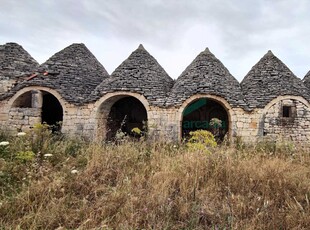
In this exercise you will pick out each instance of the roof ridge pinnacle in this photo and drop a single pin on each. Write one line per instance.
(141, 47)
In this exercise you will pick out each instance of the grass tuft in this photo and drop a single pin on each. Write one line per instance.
(152, 186)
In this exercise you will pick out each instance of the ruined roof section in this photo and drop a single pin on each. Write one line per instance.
(15, 62)
(206, 75)
(139, 73)
(268, 79)
(74, 72)
(306, 80)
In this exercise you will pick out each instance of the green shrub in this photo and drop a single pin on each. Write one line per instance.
(25, 156)
(201, 140)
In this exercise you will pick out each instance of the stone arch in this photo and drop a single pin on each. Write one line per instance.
(37, 88)
(292, 125)
(286, 97)
(36, 104)
(218, 100)
(105, 105)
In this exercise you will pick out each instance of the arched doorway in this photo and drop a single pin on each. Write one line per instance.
(205, 114)
(52, 112)
(35, 105)
(121, 114)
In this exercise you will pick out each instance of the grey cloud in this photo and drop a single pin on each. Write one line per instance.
(242, 31)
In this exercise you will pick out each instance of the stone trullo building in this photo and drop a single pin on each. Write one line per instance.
(72, 89)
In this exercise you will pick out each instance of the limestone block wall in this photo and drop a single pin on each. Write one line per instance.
(248, 125)
(75, 118)
(16, 119)
(164, 123)
(77, 121)
(296, 127)
(3, 113)
(21, 119)
(268, 123)
(99, 111)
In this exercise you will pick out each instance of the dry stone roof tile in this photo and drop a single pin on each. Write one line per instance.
(78, 76)
(15, 62)
(268, 79)
(139, 73)
(206, 75)
(74, 72)
(306, 80)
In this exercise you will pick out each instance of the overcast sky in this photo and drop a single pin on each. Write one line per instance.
(238, 32)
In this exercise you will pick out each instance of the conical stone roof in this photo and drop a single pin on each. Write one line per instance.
(74, 72)
(268, 79)
(139, 73)
(15, 62)
(306, 80)
(206, 75)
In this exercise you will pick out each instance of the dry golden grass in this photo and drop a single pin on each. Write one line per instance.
(160, 186)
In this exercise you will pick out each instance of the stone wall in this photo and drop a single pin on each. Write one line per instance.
(163, 124)
(89, 120)
(247, 125)
(22, 119)
(15, 118)
(296, 127)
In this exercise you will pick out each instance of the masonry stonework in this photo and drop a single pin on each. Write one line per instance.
(293, 128)
(271, 102)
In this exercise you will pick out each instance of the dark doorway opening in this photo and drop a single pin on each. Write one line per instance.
(23, 101)
(52, 112)
(125, 115)
(201, 114)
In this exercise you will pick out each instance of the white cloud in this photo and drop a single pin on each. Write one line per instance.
(238, 32)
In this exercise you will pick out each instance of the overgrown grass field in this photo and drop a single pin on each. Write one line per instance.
(50, 182)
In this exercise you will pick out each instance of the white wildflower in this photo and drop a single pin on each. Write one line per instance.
(174, 146)
(48, 155)
(20, 134)
(74, 171)
(4, 143)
